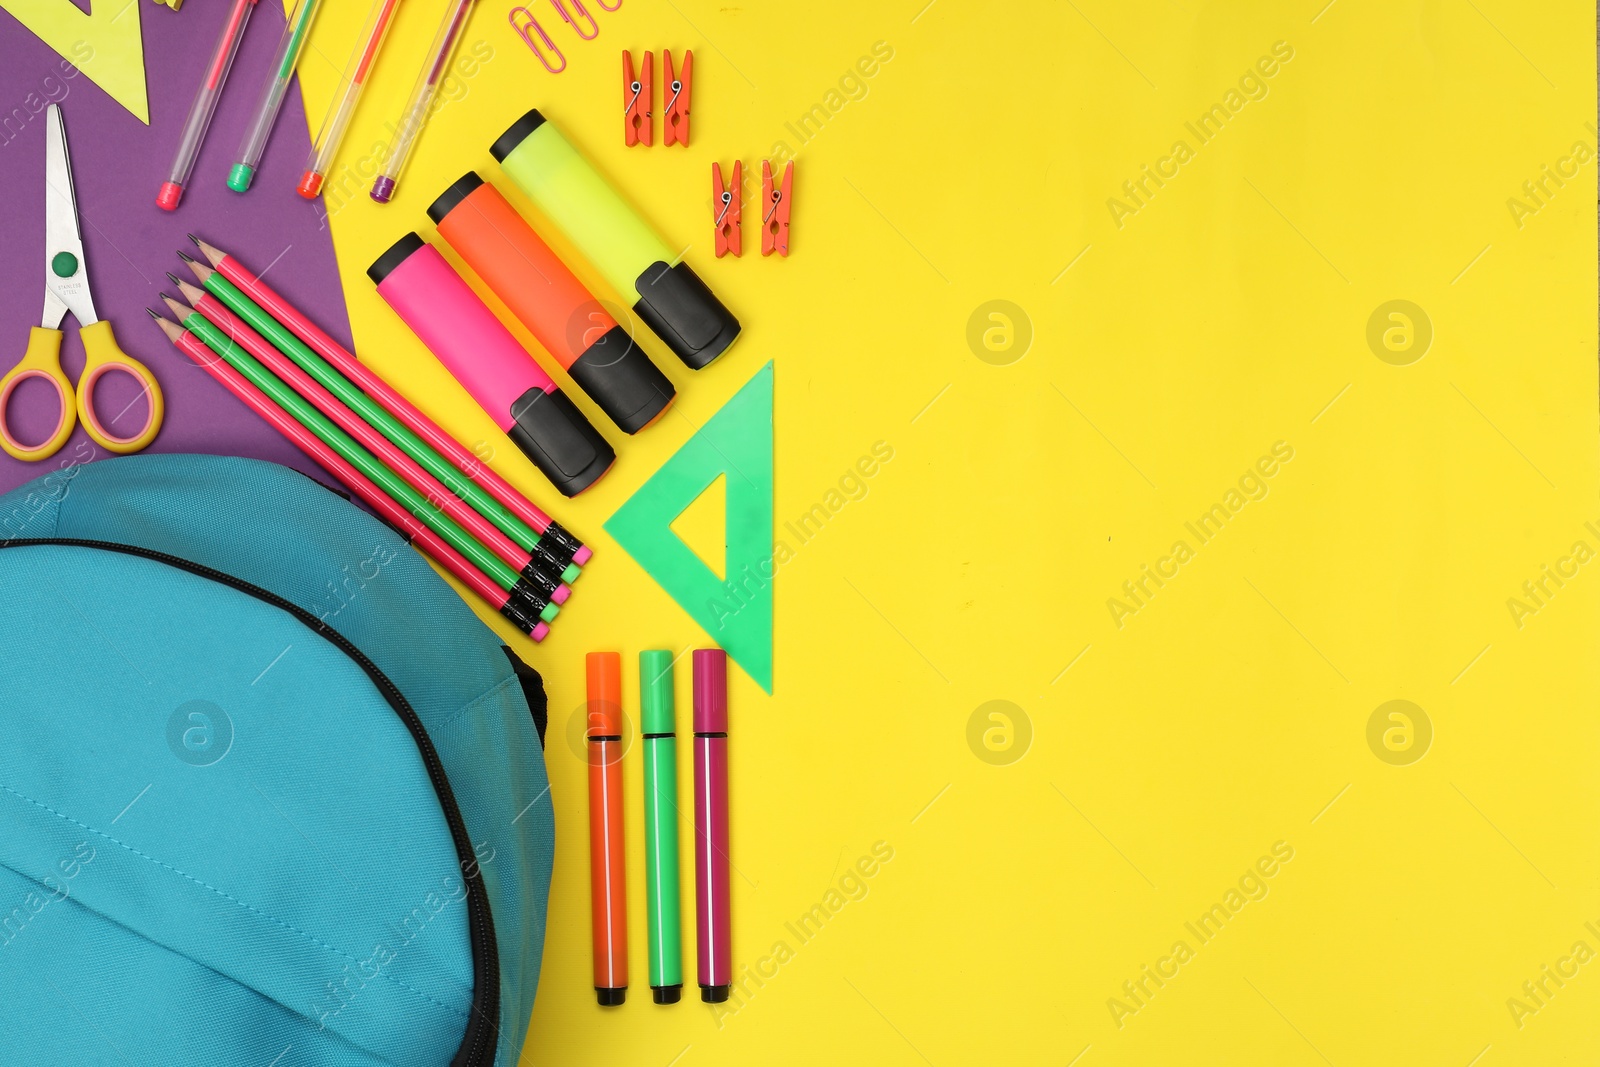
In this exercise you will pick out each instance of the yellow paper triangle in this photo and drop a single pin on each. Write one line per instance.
(703, 525)
(105, 44)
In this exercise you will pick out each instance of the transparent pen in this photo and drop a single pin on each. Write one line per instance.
(205, 104)
(326, 146)
(295, 32)
(434, 71)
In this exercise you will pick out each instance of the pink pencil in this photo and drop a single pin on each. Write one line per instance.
(423, 482)
(381, 502)
(397, 405)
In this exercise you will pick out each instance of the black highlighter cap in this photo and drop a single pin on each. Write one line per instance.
(552, 432)
(619, 376)
(714, 994)
(667, 994)
(610, 998)
(463, 188)
(398, 253)
(684, 313)
(508, 141)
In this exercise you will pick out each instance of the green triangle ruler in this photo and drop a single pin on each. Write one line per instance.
(736, 611)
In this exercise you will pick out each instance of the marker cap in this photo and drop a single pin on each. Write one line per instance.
(604, 671)
(684, 312)
(710, 691)
(552, 432)
(240, 177)
(656, 707)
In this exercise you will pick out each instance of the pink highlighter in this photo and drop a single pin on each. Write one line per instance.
(480, 353)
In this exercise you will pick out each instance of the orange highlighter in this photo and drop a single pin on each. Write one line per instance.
(608, 898)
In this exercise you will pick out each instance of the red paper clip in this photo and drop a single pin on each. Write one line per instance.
(532, 23)
(775, 221)
(636, 100)
(726, 209)
(675, 108)
(578, 12)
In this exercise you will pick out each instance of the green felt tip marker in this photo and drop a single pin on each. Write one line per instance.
(661, 825)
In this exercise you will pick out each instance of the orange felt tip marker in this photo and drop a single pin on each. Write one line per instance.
(608, 898)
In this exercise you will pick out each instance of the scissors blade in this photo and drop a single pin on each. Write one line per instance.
(66, 279)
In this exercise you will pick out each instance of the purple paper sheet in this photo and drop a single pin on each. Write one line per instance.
(118, 164)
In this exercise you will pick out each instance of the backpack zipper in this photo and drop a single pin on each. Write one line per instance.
(478, 1047)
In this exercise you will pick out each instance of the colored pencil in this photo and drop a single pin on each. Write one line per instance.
(359, 457)
(550, 553)
(354, 480)
(369, 382)
(536, 572)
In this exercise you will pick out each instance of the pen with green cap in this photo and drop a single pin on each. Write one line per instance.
(661, 825)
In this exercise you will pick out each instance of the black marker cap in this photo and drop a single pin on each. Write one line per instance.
(508, 141)
(552, 432)
(452, 196)
(610, 998)
(619, 376)
(667, 994)
(397, 254)
(714, 994)
(684, 313)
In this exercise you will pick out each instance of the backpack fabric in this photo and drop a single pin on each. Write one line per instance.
(270, 793)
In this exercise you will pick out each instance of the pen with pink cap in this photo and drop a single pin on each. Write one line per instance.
(714, 924)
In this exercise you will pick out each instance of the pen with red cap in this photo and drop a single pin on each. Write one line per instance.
(711, 823)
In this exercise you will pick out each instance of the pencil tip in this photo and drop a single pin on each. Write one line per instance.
(185, 256)
(195, 239)
(173, 278)
(152, 313)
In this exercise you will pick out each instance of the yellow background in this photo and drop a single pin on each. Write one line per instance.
(1168, 354)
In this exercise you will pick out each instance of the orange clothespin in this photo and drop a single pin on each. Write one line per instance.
(775, 219)
(726, 209)
(636, 100)
(675, 108)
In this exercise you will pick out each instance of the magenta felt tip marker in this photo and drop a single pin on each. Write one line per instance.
(480, 353)
(713, 916)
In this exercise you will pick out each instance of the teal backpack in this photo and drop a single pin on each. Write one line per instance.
(270, 793)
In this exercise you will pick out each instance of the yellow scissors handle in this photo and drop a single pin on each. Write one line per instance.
(42, 360)
(103, 355)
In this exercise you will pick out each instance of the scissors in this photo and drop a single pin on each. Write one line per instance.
(66, 288)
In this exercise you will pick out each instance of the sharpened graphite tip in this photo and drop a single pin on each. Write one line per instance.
(185, 256)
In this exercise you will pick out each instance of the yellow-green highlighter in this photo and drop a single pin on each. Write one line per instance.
(661, 825)
(669, 297)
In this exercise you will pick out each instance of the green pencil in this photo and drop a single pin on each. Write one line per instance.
(661, 825)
